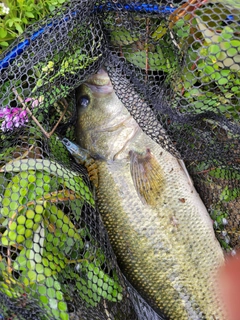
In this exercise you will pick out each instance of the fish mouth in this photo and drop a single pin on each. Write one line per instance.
(100, 82)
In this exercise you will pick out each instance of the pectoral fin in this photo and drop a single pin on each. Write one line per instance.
(92, 169)
(147, 176)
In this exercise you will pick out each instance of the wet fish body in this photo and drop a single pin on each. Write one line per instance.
(158, 226)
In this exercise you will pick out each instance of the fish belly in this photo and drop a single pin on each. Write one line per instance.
(168, 252)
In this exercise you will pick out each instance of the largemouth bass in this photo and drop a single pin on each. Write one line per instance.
(158, 226)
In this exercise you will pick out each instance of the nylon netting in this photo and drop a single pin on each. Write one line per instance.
(175, 66)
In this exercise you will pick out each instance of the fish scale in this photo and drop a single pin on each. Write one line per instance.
(158, 226)
(151, 251)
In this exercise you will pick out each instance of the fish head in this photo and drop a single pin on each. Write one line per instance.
(102, 125)
(94, 101)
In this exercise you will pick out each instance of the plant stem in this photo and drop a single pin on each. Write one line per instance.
(64, 103)
(48, 135)
(30, 112)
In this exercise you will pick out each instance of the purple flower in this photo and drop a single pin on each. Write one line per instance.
(13, 118)
(17, 117)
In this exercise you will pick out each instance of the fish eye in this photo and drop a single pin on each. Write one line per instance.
(84, 101)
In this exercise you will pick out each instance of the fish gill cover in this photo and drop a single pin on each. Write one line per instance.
(175, 66)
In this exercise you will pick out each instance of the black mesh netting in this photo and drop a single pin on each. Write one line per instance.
(175, 66)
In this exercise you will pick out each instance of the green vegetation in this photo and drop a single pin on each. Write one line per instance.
(41, 232)
(208, 81)
(42, 244)
(16, 15)
(47, 250)
(209, 78)
(223, 197)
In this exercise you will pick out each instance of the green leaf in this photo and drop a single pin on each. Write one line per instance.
(76, 207)
(70, 178)
(50, 295)
(121, 36)
(222, 81)
(227, 33)
(51, 167)
(3, 33)
(65, 233)
(229, 194)
(29, 14)
(10, 22)
(235, 43)
(25, 20)
(62, 306)
(209, 36)
(156, 61)
(21, 261)
(58, 150)
(19, 28)
(160, 31)
(4, 44)
(214, 48)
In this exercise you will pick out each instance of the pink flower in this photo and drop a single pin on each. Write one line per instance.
(17, 117)
(13, 118)
(35, 102)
